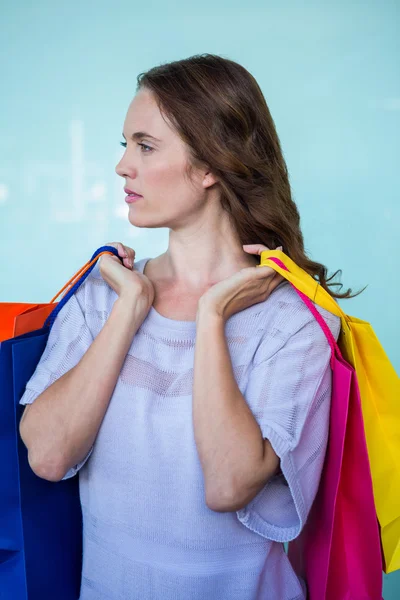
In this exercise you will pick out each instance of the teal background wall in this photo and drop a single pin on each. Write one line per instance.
(329, 72)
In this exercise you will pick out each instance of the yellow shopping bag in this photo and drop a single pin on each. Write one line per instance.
(380, 397)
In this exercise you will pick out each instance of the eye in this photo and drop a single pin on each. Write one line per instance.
(139, 144)
(145, 146)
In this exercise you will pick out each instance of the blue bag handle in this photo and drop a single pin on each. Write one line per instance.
(52, 316)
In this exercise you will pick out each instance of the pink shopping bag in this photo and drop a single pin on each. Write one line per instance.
(338, 552)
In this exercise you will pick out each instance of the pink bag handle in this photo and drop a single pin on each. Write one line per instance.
(328, 334)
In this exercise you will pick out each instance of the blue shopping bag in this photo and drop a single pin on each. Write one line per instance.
(40, 520)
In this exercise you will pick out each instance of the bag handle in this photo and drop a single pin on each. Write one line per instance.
(76, 281)
(303, 282)
(328, 334)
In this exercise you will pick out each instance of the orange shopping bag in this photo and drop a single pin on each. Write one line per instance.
(17, 318)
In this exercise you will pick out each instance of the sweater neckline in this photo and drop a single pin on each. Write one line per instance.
(159, 320)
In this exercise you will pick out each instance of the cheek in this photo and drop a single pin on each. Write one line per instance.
(164, 175)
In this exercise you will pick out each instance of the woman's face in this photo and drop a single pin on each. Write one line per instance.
(156, 170)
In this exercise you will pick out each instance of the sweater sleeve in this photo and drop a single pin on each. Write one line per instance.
(289, 393)
(68, 340)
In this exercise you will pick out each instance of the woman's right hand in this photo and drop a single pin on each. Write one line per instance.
(127, 283)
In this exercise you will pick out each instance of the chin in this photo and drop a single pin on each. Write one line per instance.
(137, 221)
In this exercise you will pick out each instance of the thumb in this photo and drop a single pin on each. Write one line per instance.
(111, 257)
(257, 248)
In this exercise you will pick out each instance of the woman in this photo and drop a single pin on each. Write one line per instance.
(192, 390)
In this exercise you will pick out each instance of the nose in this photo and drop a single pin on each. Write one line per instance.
(124, 170)
(120, 169)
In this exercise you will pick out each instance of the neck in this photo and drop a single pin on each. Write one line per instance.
(202, 261)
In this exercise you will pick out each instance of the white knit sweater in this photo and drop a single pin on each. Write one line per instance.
(147, 531)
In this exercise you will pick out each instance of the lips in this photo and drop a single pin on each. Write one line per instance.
(131, 192)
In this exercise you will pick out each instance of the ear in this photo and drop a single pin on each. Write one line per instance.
(209, 179)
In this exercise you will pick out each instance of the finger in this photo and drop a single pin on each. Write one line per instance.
(131, 252)
(114, 245)
(121, 250)
(122, 254)
(255, 248)
(130, 256)
(259, 272)
(128, 262)
(263, 271)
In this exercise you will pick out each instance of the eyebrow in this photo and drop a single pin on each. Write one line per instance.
(139, 135)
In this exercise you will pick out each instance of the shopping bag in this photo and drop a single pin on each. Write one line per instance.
(40, 521)
(379, 388)
(18, 318)
(338, 552)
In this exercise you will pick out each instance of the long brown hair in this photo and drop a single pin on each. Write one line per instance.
(220, 112)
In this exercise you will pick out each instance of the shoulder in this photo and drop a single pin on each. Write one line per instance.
(285, 315)
(140, 263)
(94, 288)
(96, 299)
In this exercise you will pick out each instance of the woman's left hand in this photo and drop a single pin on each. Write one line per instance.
(243, 289)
